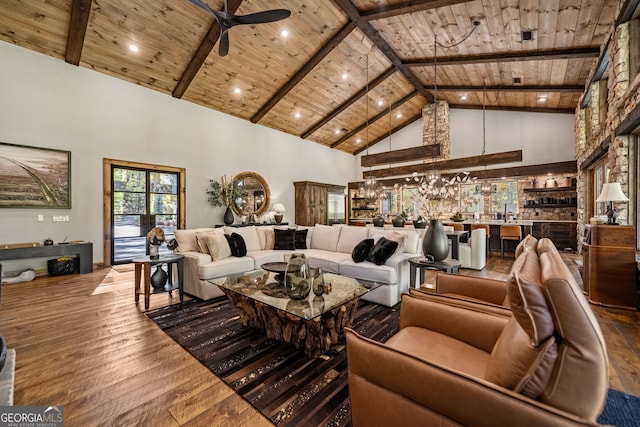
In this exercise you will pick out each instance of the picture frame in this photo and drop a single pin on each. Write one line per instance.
(34, 177)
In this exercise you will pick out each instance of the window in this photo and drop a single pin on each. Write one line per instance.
(505, 198)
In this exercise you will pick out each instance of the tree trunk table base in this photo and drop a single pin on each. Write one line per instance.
(314, 336)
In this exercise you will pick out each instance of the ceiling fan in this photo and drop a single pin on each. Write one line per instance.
(227, 20)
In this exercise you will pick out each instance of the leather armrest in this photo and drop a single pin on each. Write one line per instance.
(462, 302)
(387, 387)
(478, 288)
(476, 328)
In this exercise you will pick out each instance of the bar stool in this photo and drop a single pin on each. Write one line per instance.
(509, 232)
(459, 227)
(487, 228)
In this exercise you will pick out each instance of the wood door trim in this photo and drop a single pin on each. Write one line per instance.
(107, 164)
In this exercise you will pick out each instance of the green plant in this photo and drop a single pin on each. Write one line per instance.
(221, 193)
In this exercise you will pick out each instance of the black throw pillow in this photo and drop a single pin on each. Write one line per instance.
(237, 245)
(284, 239)
(382, 251)
(301, 239)
(361, 250)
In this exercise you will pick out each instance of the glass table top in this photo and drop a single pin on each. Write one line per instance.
(265, 287)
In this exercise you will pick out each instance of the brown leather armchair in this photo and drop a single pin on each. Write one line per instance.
(456, 362)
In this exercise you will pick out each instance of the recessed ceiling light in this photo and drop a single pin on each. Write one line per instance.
(133, 48)
(542, 99)
(344, 76)
(337, 131)
(358, 141)
(380, 103)
(236, 91)
(297, 115)
(463, 97)
(284, 33)
(399, 115)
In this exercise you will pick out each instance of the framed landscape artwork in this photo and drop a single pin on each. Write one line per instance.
(32, 177)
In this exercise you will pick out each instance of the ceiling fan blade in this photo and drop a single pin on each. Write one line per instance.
(223, 49)
(205, 7)
(261, 17)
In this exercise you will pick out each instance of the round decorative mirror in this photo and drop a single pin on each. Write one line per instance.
(252, 194)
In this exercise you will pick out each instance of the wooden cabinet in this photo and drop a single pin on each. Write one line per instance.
(312, 202)
(609, 265)
(562, 234)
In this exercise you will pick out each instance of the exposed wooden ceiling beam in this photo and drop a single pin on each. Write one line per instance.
(520, 109)
(461, 163)
(408, 7)
(535, 55)
(373, 119)
(373, 35)
(80, 11)
(202, 53)
(306, 69)
(551, 88)
(518, 171)
(403, 155)
(362, 92)
(626, 11)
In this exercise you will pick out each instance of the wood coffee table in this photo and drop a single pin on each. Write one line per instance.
(312, 324)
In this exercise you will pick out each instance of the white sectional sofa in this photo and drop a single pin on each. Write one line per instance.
(328, 247)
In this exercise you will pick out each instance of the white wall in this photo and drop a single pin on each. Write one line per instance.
(45, 102)
(542, 137)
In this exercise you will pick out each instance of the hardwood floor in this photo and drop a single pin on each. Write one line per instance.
(82, 342)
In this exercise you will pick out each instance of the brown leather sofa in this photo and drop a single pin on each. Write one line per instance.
(454, 361)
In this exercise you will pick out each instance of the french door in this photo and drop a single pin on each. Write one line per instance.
(140, 198)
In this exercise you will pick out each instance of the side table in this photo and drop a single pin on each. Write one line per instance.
(145, 263)
(451, 266)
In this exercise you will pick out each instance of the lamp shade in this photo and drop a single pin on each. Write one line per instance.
(612, 192)
(279, 207)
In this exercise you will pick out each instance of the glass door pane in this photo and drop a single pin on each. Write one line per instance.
(141, 199)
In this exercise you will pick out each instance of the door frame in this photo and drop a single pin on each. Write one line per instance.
(107, 164)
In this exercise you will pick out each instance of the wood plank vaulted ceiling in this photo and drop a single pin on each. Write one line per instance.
(296, 85)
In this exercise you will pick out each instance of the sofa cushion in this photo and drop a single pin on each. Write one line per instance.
(582, 349)
(350, 236)
(236, 244)
(201, 239)
(187, 239)
(266, 236)
(249, 234)
(382, 251)
(526, 299)
(300, 239)
(325, 237)
(361, 250)
(528, 242)
(269, 255)
(327, 260)
(368, 271)
(225, 267)
(218, 247)
(519, 366)
(284, 239)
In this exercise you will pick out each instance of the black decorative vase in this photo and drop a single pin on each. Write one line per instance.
(420, 223)
(378, 221)
(228, 216)
(435, 243)
(159, 278)
(398, 221)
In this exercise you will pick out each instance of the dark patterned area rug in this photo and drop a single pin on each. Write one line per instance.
(281, 382)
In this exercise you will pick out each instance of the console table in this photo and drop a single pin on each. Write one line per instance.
(82, 250)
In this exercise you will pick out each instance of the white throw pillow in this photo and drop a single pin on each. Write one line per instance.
(187, 239)
(201, 239)
(266, 236)
(249, 234)
(350, 236)
(218, 247)
(325, 237)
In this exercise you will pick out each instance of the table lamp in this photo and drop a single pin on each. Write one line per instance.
(279, 209)
(612, 192)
